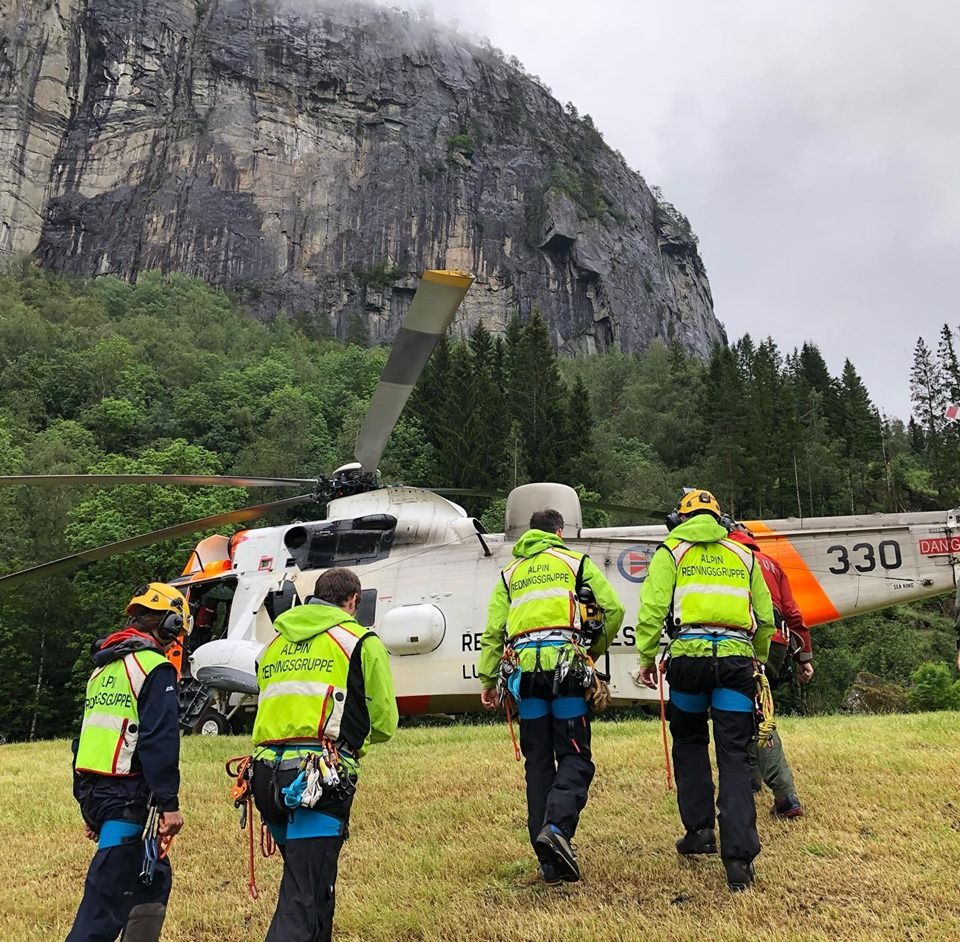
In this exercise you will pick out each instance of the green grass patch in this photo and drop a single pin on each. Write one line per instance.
(438, 849)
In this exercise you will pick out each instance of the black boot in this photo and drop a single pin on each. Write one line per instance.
(692, 843)
(739, 875)
(554, 842)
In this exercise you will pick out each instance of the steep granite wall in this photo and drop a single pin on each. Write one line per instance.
(314, 162)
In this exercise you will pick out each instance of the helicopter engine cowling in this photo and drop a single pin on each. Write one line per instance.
(529, 498)
(227, 664)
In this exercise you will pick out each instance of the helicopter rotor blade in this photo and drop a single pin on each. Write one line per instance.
(190, 480)
(589, 504)
(431, 311)
(146, 539)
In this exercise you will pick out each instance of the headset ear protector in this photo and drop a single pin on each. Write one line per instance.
(171, 625)
(672, 519)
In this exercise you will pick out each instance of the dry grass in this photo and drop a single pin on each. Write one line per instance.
(438, 849)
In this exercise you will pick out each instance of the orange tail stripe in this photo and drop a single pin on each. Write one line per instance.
(813, 601)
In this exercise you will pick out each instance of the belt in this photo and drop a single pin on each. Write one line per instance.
(712, 633)
(113, 833)
(545, 636)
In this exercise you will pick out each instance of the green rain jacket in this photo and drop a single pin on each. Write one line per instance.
(530, 544)
(656, 596)
(321, 632)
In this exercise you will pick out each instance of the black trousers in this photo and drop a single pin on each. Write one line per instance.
(112, 896)
(308, 891)
(733, 733)
(308, 887)
(558, 763)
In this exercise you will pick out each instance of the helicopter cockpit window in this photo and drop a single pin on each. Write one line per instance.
(353, 542)
(367, 609)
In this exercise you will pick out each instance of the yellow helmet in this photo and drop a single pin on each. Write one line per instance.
(160, 597)
(697, 500)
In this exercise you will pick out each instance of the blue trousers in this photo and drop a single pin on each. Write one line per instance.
(113, 896)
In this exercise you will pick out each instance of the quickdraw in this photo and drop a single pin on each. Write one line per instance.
(155, 846)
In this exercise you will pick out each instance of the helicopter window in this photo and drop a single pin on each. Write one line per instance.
(367, 609)
(341, 542)
(281, 600)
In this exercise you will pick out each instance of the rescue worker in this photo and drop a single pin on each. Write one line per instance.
(534, 608)
(128, 756)
(720, 619)
(326, 694)
(792, 638)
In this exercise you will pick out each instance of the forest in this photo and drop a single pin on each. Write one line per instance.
(169, 375)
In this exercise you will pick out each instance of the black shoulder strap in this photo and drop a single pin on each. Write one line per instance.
(579, 583)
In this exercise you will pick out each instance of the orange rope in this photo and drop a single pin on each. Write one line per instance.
(663, 725)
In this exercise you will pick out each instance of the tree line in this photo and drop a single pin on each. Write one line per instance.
(171, 376)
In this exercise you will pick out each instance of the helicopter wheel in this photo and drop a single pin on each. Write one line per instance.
(213, 723)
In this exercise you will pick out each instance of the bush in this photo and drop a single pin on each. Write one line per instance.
(933, 688)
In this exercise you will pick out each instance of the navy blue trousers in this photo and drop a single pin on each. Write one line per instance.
(558, 764)
(720, 689)
(112, 889)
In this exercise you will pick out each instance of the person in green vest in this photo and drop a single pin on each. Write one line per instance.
(127, 757)
(326, 694)
(535, 611)
(716, 604)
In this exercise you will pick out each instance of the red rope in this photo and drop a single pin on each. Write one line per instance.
(268, 846)
(513, 735)
(663, 726)
(252, 882)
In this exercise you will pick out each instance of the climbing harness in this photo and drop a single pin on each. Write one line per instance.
(155, 847)
(763, 700)
(240, 769)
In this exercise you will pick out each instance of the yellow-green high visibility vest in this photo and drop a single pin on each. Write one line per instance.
(713, 584)
(303, 686)
(111, 722)
(543, 591)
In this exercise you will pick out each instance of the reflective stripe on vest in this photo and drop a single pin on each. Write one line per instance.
(111, 719)
(713, 584)
(542, 591)
(303, 686)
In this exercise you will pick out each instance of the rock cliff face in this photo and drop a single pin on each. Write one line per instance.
(314, 161)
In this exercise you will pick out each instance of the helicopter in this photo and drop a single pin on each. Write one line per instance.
(427, 568)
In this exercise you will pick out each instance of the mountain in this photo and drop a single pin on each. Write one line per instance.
(313, 158)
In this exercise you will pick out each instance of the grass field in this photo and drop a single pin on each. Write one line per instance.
(438, 849)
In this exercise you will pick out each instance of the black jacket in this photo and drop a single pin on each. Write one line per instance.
(156, 761)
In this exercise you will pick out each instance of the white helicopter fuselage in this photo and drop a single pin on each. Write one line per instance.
(426, 592)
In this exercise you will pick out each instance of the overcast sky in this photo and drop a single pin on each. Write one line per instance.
(814, 146)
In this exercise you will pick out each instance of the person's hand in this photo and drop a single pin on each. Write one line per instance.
(958, 659)
(88, 832)
(648, 676)
(170, 823)
(489, 698)
(805, 671)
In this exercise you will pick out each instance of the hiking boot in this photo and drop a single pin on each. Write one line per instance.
(787, 807)
(564, 859)
(692, 843)
(548, 873)
(739, 875)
